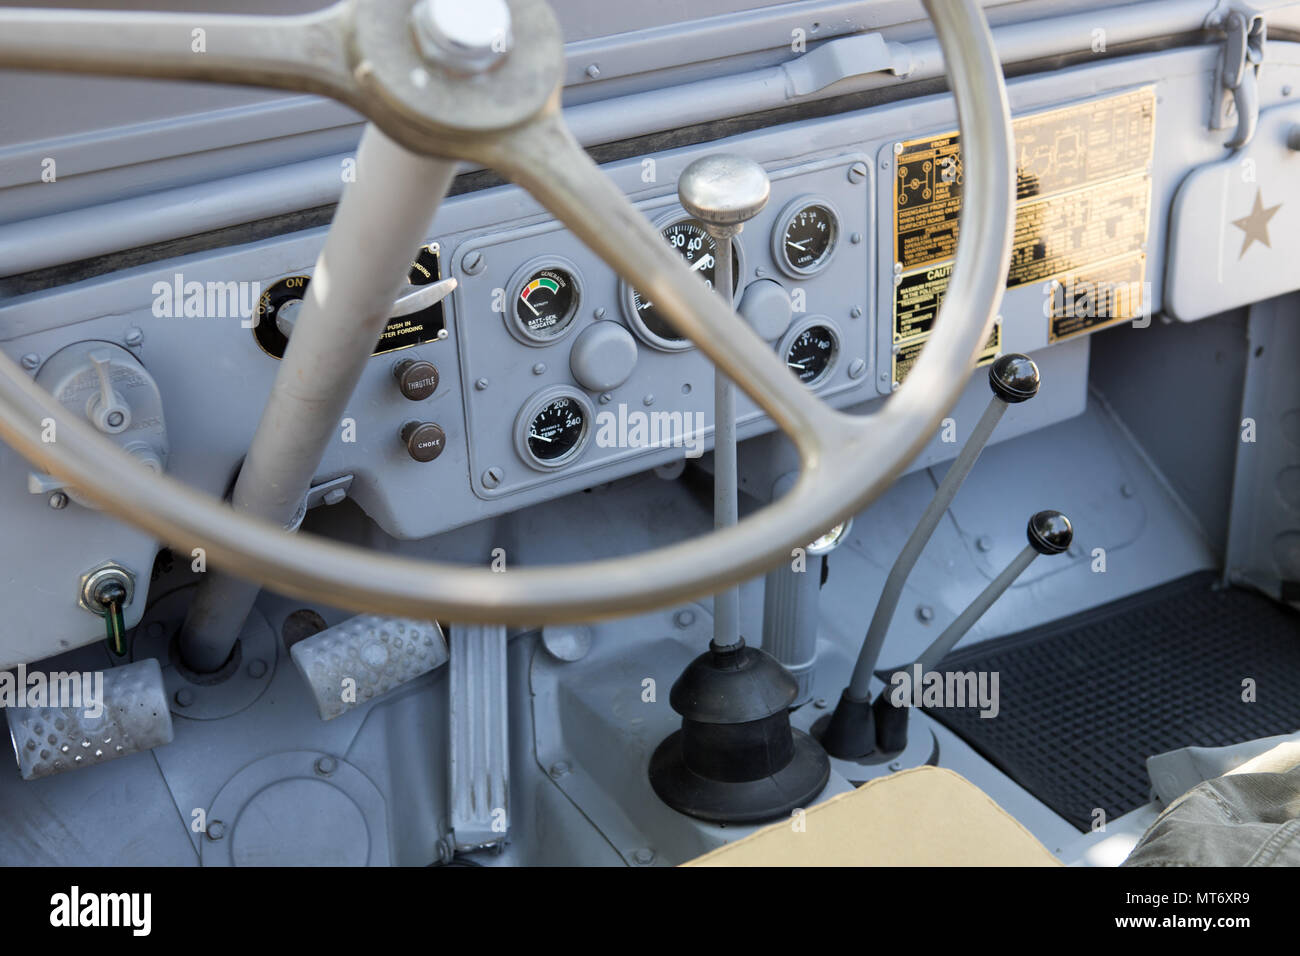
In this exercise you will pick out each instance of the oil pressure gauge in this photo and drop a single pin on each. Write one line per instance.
(811, 349)
(805, 236)
(698, 249)
(553, 427)
(544, 300)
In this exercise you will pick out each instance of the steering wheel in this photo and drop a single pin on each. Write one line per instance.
(423, 119)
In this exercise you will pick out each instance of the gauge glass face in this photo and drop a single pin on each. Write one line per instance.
(809, 238)
(811, 353)
(556, 430)
(546, 304)
(698, 248)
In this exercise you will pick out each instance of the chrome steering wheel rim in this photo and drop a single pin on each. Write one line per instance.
(847, 461)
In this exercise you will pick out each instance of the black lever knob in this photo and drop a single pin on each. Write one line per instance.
(416, 378)
(1014, 378)
(1050, 532)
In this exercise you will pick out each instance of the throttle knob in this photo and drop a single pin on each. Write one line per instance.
(424, 440)
(416, 378)
(1050, 532)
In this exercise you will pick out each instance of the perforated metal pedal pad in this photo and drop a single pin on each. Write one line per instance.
(354, 662)
(109, 714)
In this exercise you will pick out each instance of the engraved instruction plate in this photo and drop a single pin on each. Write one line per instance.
(1083, 198)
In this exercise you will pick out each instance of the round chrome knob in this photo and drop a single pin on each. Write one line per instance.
(724, 191)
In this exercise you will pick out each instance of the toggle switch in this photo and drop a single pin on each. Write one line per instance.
(424, 440)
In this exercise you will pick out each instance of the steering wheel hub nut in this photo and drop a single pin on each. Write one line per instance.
(465, 38)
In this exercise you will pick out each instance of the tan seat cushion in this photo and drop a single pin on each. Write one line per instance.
(923, 817)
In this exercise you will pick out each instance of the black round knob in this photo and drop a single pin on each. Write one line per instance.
(1050, 532)
(416, 378)
(1014, 378)
(424, 440)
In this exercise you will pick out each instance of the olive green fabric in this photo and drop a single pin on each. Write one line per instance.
(1250, 816)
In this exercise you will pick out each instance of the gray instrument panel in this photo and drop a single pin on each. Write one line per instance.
(214, 378)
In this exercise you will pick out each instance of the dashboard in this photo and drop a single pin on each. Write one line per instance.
(544, 374)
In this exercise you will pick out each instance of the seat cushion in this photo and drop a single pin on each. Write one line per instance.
(928, 816)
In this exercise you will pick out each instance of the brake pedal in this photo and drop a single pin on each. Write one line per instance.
(480, 741)
(354, 662)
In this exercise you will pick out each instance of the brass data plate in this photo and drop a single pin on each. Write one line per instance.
(1092, 299)
(1083, 191)
(905, 356)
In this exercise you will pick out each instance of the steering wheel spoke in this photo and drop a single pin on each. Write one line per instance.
(303, 53)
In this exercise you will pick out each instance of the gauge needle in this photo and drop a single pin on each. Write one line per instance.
(540, 437)
(701, 263)
(530, 305)
(797, 245)
(795, 365)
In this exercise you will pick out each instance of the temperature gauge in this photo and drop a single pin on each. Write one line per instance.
(553, 426)
(810, 350)
(544, 301)
(698, 249)
(805, 236)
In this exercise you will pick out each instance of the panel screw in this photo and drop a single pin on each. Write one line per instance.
(648, 400)
(216, 830)
(925, 614)
(984, 543)
(257, 668)
(644, 856)
(895, 765)
(857, 367)
(599, 313)
(472, 262)
(684, 619)
(559, 769)
(1126, 490)
(855, 238)
(898, 149)
(334, 496)
(58, 501)
(184, 697)
(857, 173)
(134, 336)
(820, 703)
(31, 361)
(593, 71)
(493, 477)
(539, 368)
(481, 384)
(326, 766)
(606, 398)
(855, 312)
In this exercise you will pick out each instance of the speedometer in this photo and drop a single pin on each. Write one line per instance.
(698, 249)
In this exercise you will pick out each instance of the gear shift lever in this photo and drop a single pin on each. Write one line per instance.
(736, 758)
(851, 732)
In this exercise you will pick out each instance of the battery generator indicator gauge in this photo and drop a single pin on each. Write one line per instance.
(544, 301)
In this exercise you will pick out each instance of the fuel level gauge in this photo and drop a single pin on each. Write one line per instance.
(805, 236)
(544, 301)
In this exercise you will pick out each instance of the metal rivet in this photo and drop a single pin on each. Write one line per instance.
(184, 697)
(326, 766)
(855, 238)
(648, 400)
(925, 613)
(1126, 490)
(684, 618)
(539, 368)
(559, 769)
(898, 149)
(481, 384)
(644, 856)
(895, 765)
(216, 830)
(257, 668)
(31, 361)
(493, 477)
(984, 543)
(855, 312)
(820, 703)
(593, 71)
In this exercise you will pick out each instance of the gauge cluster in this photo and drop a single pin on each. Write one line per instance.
(568, 369)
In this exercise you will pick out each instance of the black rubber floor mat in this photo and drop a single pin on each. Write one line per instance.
(1085, 700)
